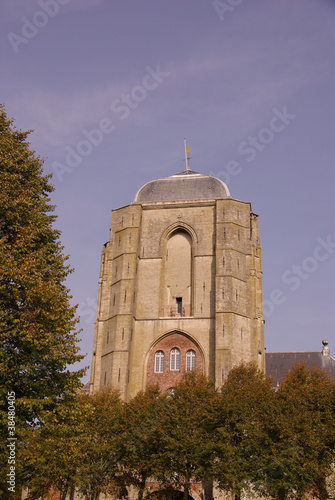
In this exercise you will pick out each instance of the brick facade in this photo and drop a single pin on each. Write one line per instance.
(169, 378)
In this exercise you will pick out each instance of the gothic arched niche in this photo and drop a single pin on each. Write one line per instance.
(170, 357)
(178, 274)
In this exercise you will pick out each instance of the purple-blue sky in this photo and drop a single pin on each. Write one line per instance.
(251, 87)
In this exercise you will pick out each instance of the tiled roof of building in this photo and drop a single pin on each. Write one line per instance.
(182, 187)
(279, 363)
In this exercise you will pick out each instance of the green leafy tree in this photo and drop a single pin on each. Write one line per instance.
(303, 439)
(78, 448)
(244, 422)
(52, 454)
(99, 470)
(141, 447)
(186, 433)
(37, 324)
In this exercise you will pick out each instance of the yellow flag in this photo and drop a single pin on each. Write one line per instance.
(188, 150)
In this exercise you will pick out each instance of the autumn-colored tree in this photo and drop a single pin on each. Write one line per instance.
(52, 454)
(99, 470)
(186, 432)
(244, 422)
(37, 324)
(303, 439)
(78, 448)
(141, 448)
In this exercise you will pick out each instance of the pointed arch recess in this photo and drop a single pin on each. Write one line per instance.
(166, 342)
(177, 300)
(178, 226)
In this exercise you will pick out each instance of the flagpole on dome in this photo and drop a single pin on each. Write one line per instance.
(187, 151)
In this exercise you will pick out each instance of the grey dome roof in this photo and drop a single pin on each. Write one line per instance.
(182, 187)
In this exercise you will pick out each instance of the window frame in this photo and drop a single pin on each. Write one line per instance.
(175, 359)
(159, 362)
(191, 358)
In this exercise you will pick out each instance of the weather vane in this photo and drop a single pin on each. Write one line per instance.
(187, 158)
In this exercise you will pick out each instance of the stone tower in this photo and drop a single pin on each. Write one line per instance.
(180, 287)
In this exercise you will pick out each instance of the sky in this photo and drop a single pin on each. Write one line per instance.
(111, 88)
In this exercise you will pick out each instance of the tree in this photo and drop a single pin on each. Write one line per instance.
(303, 438)
(141, 448)
(244, 422)
(100, 470)
(37, 324)
(78, 448)
(186, 432)
(52, 454)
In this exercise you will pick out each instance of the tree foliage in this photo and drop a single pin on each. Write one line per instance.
(51, 455)
(246, 437)
(303, 438)
(78, 448)
(280, 443)
(244, 422)
(99, 469)
(37, 323)
(186, 432)
(141, 447)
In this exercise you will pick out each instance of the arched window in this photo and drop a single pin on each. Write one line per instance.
(159, 362)
(190, 360)
(175, 359)
(178, 274)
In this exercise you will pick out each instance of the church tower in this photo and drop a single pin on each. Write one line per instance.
(180, 287)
